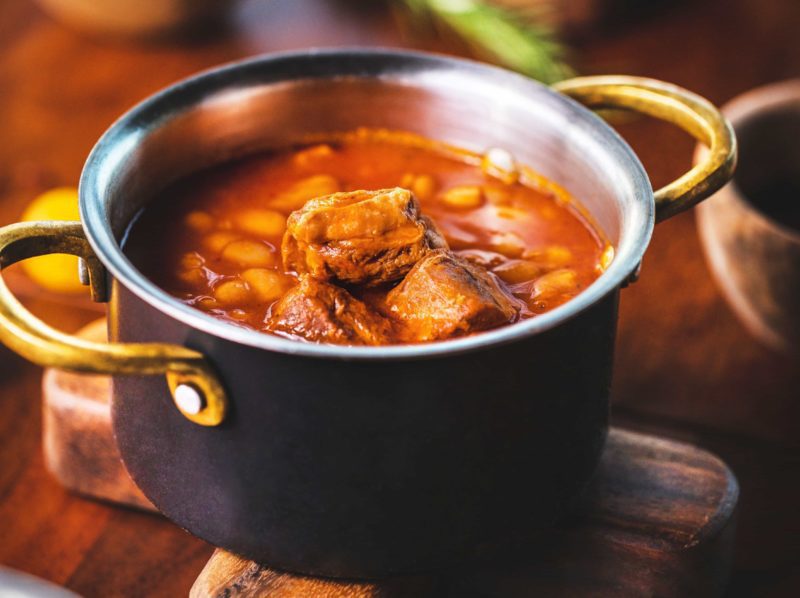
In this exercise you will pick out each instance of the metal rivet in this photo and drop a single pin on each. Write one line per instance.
(188, 399)
(633, 276)
(83, 272)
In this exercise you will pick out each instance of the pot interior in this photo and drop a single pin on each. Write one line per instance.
(277, 101)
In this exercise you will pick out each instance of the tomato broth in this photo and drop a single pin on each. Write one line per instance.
(213, 239)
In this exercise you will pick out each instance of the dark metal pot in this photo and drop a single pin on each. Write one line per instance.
(361, 461)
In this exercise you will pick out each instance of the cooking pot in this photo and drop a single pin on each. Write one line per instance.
(360, 461)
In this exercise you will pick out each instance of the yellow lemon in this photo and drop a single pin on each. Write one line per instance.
(58, 273)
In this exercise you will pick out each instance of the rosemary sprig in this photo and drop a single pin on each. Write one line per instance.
(499, 34)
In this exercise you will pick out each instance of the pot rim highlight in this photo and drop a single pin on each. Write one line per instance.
(111, 149)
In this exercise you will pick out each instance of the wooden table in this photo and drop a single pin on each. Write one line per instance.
(685, 366)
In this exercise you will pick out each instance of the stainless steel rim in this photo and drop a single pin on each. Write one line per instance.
(330, 63)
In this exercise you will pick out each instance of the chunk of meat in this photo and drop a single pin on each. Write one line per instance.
(324, 313)
(445, 295)
(359, 237)
(483, 258)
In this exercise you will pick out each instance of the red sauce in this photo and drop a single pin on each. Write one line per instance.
(213, 239)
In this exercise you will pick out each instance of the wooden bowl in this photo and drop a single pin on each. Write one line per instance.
(754, 257)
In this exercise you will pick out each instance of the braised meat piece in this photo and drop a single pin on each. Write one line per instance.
(324, 313)
(445, 295)
(359, 237)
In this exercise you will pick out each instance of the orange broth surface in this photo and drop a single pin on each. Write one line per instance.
(213, 239)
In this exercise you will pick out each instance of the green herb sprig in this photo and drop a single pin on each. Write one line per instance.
(499, 34)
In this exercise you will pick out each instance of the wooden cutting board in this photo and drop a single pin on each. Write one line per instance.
(657, 520)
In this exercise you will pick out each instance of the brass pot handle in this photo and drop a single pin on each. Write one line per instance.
(194, 386)
(675, 105)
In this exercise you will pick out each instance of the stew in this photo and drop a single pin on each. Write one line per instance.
(368, 238)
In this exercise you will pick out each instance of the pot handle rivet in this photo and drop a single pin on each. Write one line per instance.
(189, 399)
(83, 272)
(633, 276)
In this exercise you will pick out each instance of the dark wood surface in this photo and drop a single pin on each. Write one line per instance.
(657, 519)
(685, 367)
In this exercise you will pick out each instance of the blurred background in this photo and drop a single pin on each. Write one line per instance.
(686, 368)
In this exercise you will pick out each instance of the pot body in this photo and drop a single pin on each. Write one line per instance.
(359, 469)
(367, 461)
